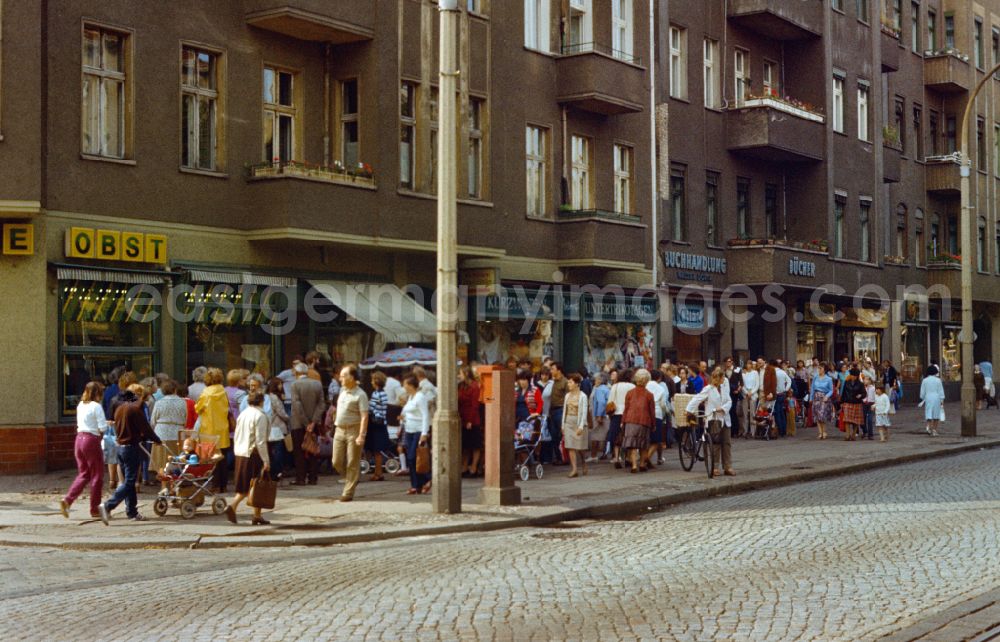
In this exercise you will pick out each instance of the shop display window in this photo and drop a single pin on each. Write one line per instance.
(951, 354)
(913, 361)
(517, 338)
(628, 345)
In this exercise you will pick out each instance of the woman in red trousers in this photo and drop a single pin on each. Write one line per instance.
(90, 426)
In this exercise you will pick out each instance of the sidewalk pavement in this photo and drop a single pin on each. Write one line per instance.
(311, 515)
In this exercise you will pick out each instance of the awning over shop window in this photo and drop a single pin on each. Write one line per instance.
(241, 278)
(384, 308)
(110, 276)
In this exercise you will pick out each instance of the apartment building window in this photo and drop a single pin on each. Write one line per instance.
(949, 31)
(996, 46)
(996, 149)
(199, 108)
(741, 76)
(769, 79)
(678, 204)
(621, 28)
(862, 8)
(712, 73)
(623, 179)
(953, 234)
(935, 244)
(581, 25)
(918, 133)
(996, 249)
(838, 104)
(474, 6)
(772, 222)
(931, 30)
(349, 122)
(536, 24)
(864, 132)
(899, 121)
(981, 245)
(980, 144)
(713, 233)
(581, 174)
(901, 230)
(678, 62)
(920, 255)
(105, 89)
(950, 135)
(536, 157)
(838, 5)
(934, 133)
(475, 164)
(279, 115)
(839, 204)
(407, 134)
(433, 139)
(915, 27)
(865, 225)
(977, 39)
(896, 15)
(743, 226)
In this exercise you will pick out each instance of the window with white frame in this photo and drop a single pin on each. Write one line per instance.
(623, 179)
(839, 204)
(433, 139)
(475, 161)
(199, 108)
(580, 186)
(678, 203)
(581, 26)
(915, 26)
(536, 24)
(407, 133)
(678, 62)
(743, 215)
(104, 92)
(981, 258)
(865, 221)
(713, 229)
(741, 76)
(621, 28)
(838, 104)
(279, 115)
(349, 122)
(769, 79)
(536, 157)
(712, 74)
(864, 132)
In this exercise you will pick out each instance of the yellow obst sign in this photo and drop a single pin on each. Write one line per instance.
(19, 239)
(113, 245)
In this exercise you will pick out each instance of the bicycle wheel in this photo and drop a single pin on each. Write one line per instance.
(687, 449)
(709, 453)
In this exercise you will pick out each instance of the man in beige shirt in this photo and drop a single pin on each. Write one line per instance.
(352, 427)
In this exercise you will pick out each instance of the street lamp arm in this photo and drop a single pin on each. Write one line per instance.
(968, 110)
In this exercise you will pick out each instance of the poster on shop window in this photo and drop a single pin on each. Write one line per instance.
(628, 345)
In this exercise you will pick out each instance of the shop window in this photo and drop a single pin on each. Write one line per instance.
(103, 325)
(531, 340)
(951, 353)
(280, 115)
(743, 214)
(627, 344)
(913, 360)
(106, 92)
(199, 108)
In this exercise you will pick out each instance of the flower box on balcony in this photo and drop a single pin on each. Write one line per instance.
(894, 260)
(944, 261)
(786, 105)
(361, 176)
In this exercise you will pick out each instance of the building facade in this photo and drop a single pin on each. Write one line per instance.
(823, 177)
(245, 160)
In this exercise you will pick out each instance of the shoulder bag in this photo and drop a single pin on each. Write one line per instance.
(262, 492)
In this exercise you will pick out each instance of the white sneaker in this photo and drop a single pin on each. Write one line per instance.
(927, 429)
(934, 433)
(590, 460)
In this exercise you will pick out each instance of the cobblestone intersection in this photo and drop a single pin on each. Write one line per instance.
(850, 558)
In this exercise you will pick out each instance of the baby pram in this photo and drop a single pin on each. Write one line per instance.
(189, 485)
(763, 421)
(527, 446)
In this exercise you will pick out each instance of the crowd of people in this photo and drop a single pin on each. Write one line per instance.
(290, 425)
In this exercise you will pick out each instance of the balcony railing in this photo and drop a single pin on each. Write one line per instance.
(606, 215)
(947, 70)
(593, 47)
(362, 175)
(941, 174)
(754, 129)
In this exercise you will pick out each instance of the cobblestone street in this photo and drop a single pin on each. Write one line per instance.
(850, 558)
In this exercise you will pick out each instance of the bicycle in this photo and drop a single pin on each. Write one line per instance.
(695, 444)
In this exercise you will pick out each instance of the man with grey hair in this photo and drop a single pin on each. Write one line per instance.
(308, 407)
(198, 383)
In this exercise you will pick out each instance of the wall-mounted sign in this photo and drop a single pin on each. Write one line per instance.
(693, 316)
(480, 281)
(18, 239)
(694, 262)
(798, 267)
(113, 245)
(626, 308)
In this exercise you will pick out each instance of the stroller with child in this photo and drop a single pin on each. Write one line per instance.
(188, 485)
(765, 427)
(528, 438)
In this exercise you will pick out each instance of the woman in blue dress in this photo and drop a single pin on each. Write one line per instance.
(932, 398)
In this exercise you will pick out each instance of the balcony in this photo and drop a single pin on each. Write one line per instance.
(890, 49)
(760, 261)
(599, 238)
(779, 19)
(942, 175)
(947, 71)
(892, 170)
(334, 21)
(945, 270)
(600, 80)
(775, 130)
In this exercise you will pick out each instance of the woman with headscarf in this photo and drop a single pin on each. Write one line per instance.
(932, 399)
(852, 404)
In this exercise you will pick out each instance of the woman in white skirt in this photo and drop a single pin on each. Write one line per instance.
(932, 399)
(576, 435)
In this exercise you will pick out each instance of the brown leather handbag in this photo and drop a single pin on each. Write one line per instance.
(423, 464)
(262, 492)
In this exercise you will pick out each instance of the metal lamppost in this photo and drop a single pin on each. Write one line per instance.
(967, 222)
(446, 489)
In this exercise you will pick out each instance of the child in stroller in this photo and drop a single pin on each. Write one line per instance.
(763, 421)
(527, 447)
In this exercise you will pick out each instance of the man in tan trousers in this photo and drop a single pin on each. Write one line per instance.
(352, 427)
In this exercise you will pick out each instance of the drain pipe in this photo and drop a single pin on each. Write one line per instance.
(654, 185)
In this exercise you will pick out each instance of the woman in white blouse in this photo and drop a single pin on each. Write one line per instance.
(717, 402)
(416, 420)
(90, 425)
(751, 388)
